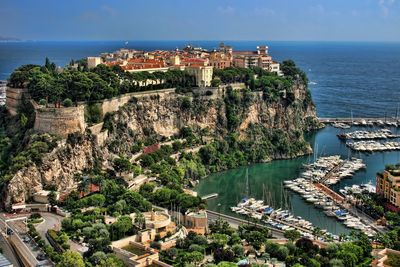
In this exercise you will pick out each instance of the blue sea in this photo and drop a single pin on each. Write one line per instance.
(345, 78)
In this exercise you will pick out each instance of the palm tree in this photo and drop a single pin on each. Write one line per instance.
(317, 232)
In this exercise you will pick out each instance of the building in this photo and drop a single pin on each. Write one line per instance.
(203, 74)
(220, 60)
(134, 254)
(258, 58)
(93, 62)
(382, 258)
(388, 185)
(197, 222)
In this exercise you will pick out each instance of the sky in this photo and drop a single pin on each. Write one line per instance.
(280, 20)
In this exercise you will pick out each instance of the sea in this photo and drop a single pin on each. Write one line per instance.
(361, 79)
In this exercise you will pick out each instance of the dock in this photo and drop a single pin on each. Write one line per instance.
(329, 192)
(209, 196)
(331, 173)
(358, 119)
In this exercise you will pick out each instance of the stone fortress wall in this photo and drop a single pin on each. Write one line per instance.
(65, 120)
(60, 121)
(14, 97)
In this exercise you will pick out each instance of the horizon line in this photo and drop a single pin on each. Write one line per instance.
(198, 40)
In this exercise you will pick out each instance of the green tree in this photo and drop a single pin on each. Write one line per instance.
(292, 235)
(52, 198)
(67, 102)
(23, 120)
(122, 164)
(71, 259)
(336, 263)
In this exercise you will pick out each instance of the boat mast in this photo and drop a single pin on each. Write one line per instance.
(247, 182)
(351, 114)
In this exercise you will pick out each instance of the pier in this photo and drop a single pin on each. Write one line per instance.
(209, 196)
(357, 120)
(331, 173)
(329, 192)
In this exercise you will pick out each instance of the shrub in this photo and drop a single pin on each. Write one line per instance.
(93, 114)
(42, 102)
(67, 102)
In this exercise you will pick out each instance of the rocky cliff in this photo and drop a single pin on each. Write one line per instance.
(159, 117)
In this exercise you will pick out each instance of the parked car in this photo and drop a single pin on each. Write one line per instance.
(41, 257)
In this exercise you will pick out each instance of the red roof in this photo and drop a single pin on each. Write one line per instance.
(152, 148)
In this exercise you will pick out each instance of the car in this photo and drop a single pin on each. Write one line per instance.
(26, 239)
(41, 257)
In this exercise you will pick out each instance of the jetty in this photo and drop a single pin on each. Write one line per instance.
(329, 192)
(209, 196)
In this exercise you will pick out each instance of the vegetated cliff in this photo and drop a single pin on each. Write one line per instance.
(255, 117)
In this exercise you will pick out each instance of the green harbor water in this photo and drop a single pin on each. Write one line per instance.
(265, 180)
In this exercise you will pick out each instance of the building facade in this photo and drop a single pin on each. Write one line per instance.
(202, 74)
(388, 185)
(93, 62)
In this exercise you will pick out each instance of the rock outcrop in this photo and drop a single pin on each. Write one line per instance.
(158, 115)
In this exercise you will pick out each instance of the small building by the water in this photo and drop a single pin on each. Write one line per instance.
(388, 186)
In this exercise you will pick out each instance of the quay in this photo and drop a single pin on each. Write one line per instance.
(235, 222)
(341, 201)
(209, 196)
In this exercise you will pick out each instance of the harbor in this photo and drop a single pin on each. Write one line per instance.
(330, 170)
(278, 219)
(347, 123)
(363, 135)
(332, 204)
(230, 184)
(373, 146)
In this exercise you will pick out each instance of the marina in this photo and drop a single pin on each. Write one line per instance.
(332, 204)
(372, 146)
(278, 219)
(346, 123)
(363, 135)
(230, 184)
(330, 170)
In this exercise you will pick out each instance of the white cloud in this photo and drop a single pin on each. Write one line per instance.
(228, 10)
(385, 6)
(109, 10)
(317, 10)
(262, 11)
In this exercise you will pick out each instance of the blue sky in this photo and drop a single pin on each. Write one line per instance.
(339, 20)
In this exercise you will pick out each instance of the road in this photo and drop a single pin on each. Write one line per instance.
(29, 248)
(51, 221)
(8, 251)
(235, 222)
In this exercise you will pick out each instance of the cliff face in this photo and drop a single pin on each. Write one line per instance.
(57, 170)
(155, 116)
